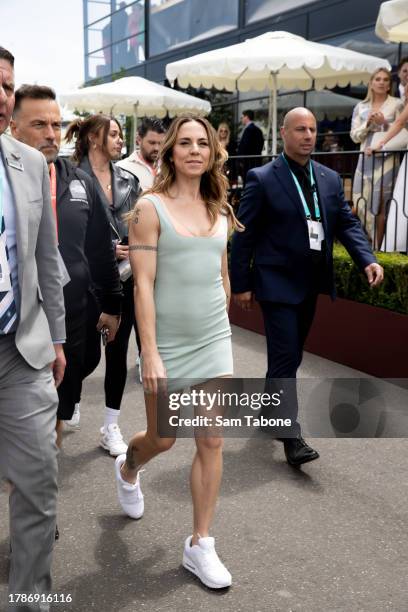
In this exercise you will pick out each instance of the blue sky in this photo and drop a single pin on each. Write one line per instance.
(46, 38)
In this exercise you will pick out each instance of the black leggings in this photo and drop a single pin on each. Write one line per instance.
(74, 349)
(115, 352)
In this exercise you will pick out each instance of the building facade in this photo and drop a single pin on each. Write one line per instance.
(140, 37)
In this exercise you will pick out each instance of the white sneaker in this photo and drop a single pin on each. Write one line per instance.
(202, 560)
(112, 441)
(74, 420)
(130, 495)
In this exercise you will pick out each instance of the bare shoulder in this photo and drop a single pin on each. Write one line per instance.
(144, 212)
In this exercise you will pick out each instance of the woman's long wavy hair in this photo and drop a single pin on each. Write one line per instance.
(79, 130)
(214, 183)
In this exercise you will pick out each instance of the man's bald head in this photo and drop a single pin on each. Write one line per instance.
(296, 113)
(299, 134)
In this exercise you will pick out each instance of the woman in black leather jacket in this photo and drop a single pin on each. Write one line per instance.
(98, 144)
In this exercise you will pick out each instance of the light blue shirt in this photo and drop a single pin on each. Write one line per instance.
(9, 213)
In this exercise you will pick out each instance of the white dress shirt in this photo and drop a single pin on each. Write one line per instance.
(143, 171)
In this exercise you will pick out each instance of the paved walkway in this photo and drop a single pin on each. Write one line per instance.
(331, 537)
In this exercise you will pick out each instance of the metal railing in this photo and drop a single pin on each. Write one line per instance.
(375, 186)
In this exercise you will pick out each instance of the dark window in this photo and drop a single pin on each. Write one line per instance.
(129, 52)
(256, 10)
(174, 23)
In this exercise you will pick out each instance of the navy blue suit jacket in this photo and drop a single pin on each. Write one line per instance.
(252, 141)
(276, 234)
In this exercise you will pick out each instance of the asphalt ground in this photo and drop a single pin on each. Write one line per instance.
(330, 537)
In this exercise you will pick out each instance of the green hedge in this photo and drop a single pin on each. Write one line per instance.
(352, 285)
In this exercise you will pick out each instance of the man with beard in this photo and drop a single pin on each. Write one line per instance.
(83, 235)
(142, 163)
(31, 322)
(403, 78)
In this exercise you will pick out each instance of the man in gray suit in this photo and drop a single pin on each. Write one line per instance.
(32, 332)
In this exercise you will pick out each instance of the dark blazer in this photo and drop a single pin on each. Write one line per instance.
(276, 236)
(125, 191)
(252, 140)
(85, 242)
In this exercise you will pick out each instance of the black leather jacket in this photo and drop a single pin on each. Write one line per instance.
(85, 242)
(125, 191)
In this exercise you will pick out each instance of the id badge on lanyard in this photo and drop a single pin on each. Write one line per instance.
(316, 234)
(315, 229)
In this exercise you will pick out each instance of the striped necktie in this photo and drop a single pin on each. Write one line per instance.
(8, 312)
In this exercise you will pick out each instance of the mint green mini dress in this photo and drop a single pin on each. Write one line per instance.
(192, 327)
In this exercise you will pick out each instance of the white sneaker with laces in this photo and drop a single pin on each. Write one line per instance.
(112, 441)
(74, 420)
(202, 560)
(130, 495)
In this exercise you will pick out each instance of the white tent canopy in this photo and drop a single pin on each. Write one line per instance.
(277, 60)
(126, 95)
(392, 21)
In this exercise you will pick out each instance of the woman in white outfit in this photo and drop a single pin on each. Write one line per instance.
(396, 234)
(373, 179)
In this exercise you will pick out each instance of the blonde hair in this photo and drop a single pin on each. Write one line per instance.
(214, 183)
(224, 126)
(369, 96)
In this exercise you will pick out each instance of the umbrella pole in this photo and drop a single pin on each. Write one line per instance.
(274, 113)
(269, 135)
(134, 130)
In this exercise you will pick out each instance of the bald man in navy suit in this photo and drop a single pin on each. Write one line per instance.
(293, 209)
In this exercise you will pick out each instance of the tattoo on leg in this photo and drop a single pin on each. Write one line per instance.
(142, 247)
(130, 458)
(136, 215)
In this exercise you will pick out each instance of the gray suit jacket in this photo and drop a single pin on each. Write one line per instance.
(42, 314)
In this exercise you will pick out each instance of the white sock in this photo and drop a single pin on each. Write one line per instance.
(78, 406)
(111, 416)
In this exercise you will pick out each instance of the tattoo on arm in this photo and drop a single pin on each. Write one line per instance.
(136, 215)
(142, 247)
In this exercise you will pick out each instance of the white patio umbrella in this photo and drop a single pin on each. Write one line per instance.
(277, 60)
(392, 21)
(134, 96)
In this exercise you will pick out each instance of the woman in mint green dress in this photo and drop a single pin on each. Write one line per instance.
(178, 252)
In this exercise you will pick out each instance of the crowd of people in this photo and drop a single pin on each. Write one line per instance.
(95, 247)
